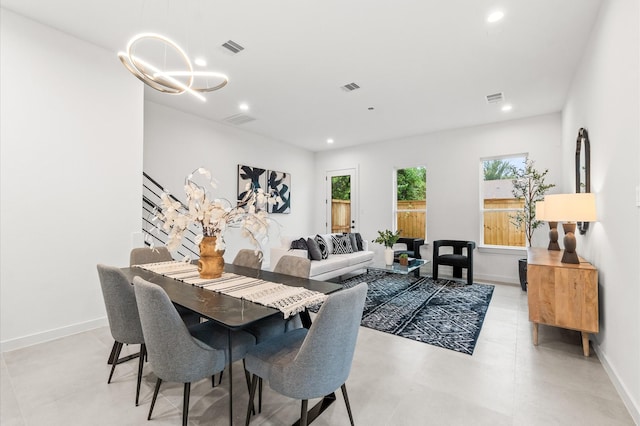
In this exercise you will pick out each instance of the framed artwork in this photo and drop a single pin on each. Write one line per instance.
(254, 175)
(280, 183)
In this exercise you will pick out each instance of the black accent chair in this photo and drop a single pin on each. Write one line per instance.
(455, 259)
(413, 247)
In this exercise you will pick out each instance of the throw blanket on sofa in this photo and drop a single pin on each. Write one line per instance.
(287, 299)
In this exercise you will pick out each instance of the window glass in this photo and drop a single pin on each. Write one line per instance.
(498, 203)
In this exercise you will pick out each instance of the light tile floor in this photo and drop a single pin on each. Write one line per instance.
(394, 381)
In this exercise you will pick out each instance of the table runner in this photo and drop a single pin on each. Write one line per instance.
(287, 299)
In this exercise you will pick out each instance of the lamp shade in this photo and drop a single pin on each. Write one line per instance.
(579, 207)
(540, 213)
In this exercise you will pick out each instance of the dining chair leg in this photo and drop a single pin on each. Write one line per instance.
(346, 402)
(260, 396)
(252, 394)
(143, 352)
(117, 348)
(303, 412)
(155, 395)
(112, 357)
(247, 378)
(185, 404)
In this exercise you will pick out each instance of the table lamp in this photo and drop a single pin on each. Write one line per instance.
(569, 209)
(553, 226)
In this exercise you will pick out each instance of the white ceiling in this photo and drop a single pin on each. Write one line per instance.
(424, 65)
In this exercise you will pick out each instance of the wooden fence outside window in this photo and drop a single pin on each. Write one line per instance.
(498, 229)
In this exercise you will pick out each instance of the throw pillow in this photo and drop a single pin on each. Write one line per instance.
(314, 249)
(341, 244)
(322, 244)
(359, 241)
(354, 242)
(300, 244)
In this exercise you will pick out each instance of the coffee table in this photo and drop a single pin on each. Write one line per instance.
(396, 268)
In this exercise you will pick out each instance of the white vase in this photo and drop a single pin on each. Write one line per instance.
(388, 256)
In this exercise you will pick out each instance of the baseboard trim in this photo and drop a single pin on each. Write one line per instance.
(634, 410)
(45, 336)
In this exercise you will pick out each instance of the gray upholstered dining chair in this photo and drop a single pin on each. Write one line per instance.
(122, 314)
(181, 354)
(276, 325)
(293, 265)
(249, 259)
(306, 364)
(144, 255)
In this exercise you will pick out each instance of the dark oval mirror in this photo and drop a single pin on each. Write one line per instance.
(583, 171)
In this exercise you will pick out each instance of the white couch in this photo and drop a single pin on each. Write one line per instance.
(333, 266)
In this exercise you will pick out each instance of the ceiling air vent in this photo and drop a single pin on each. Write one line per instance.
(232, 46)
(495, 98)
(239, 119)
(350, 87)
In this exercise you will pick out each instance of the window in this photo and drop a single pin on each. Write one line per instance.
(498, 203)
(411, 202)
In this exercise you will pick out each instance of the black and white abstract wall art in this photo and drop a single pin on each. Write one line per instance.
(280, 183)
(249, 174)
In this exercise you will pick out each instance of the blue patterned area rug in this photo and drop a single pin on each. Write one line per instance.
(443, 313)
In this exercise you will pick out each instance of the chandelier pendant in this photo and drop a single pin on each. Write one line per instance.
(173, 82)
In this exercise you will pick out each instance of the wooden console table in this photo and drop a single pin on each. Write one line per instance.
(562, 294)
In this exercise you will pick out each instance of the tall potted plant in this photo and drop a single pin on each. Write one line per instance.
(528, 185)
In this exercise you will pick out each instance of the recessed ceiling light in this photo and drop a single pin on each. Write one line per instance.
(329, 140)
(243, 106)
(507, 108)
(200, 62)
(495, 16)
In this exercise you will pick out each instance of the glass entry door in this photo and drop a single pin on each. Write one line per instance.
(341, 200)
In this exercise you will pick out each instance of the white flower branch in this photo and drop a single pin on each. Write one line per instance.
(214, 215)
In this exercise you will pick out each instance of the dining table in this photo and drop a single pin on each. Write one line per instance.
(231, 312)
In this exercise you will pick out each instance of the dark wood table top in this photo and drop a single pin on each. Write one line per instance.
(229, 311)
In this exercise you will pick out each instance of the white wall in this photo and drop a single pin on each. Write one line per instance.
(177, 143)
(452, 159)
(605, 98)
(71, 165)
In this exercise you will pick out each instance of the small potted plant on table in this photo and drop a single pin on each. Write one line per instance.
(403, 259)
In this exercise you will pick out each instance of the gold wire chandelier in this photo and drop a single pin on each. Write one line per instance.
(171, 81)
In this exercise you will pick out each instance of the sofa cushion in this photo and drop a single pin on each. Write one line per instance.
(355, 258)
(314, 249)
(332, 263)
(322, 244)
(341, 244)
(299, 244)
(327, 239)
(359, 241)
(354, 242)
